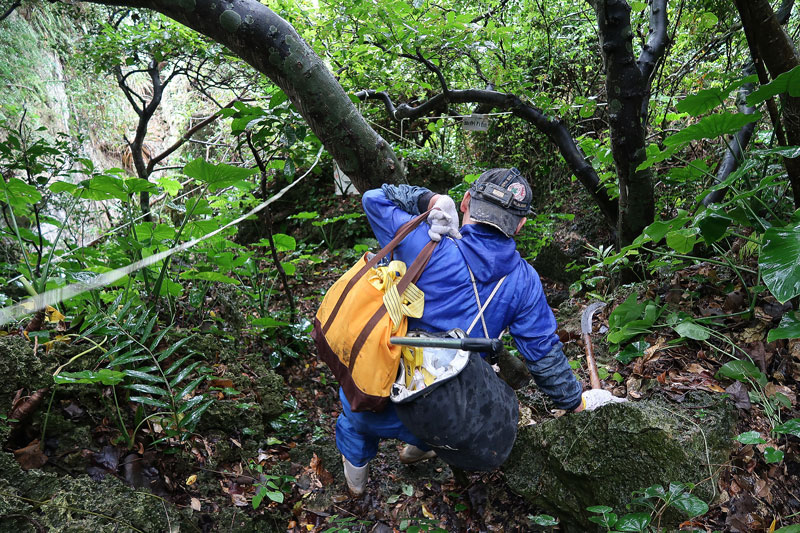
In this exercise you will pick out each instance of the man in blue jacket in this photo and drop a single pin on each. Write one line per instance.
(495, 210)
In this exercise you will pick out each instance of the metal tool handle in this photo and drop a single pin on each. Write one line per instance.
(491, 346)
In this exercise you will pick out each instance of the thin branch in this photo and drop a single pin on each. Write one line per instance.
(553, 128)
(184, 138)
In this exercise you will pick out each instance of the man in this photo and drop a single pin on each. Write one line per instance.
(495, 209)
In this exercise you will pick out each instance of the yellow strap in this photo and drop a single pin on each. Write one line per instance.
(412, 359)
(385, 279)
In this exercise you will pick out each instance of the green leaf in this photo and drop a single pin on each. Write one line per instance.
(712, 126)
(682, 240)
(542, 520)
(258, 497)
(633, 522)
(690, 504)
(103, 187)
(277, 99)
(17, 193)
(284, 243)
(750, 437)
(778, 262)
(784, 151)
(61, 186)
(708, 20)
(741, 370)
(268, 322)
(104, 376)
(146, 400)
(219, 176)
(791, 427)
(144, 376)
(789, 328)
(787, 82)
(794, 528)
(147, 389)
(713, 224)
(210, 276)
(771, 455)
(603, 509)
(692, 330)
(702, 102)
(637, 6)
(305, 215)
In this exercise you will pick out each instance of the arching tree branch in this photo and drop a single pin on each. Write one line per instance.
(657, 41)
(554, 129)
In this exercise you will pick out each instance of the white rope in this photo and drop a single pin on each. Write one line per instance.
(54, 296)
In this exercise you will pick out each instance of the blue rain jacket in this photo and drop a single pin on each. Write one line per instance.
(519, 304)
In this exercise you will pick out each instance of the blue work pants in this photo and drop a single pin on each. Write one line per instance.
(358, 434)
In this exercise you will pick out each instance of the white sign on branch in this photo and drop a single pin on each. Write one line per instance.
(476, 123)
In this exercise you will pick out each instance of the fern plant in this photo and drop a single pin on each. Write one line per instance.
(153, 377)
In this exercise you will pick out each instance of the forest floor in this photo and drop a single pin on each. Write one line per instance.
(300, 468)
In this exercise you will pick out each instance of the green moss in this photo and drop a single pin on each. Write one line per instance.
(230, 20)
(21, 368)
(601, 457)
(63, 504)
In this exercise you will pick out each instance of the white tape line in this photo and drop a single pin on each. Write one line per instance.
(54, 296)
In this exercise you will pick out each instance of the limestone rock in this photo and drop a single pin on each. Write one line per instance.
(600, 457)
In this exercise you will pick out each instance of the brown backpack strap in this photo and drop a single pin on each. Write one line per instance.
(412, 275)
(402, 232)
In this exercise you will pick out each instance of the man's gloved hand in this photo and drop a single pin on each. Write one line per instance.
(594, 398)
(443, 219)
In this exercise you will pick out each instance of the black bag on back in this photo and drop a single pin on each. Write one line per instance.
(469, 418)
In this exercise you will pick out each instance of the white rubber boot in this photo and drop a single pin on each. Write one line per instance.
(356, 477)
(411, 454)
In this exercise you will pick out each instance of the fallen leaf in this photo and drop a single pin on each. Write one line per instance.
(30, 456)
(191, 480)
(427, 513)
(738, 392)
(53, 315)
(195, 503)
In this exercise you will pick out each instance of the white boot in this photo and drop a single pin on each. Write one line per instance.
(412, 454)
(356, 477)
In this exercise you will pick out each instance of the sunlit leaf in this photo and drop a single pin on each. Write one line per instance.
(787, 82)
(712, 126)
(778, 262)
(790, 427)
(104, 376)
(750, 437)
(219, 176)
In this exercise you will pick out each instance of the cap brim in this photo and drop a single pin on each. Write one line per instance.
(493, 215)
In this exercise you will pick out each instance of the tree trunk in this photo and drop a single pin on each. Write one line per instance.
(776, 49)
(272, 46)
(627, 87)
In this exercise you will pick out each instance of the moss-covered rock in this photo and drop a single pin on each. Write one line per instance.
(63, 504)
(601, 457)
(21, 369)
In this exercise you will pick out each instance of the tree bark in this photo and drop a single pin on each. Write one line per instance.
(777, 51)
(272, 46)
(627, 86)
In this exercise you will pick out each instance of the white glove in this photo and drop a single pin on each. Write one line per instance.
(594, 398)
(443, 219)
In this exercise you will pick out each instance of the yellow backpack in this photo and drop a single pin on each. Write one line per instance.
(359, 313)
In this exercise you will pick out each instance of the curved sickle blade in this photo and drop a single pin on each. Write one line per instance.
(586, 317)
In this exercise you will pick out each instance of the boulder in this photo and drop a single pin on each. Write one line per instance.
(600, 457)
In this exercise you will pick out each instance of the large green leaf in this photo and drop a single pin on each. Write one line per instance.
(786, 82)
(743, 371)
(284, 243)
(210, 276)
(712, 126)
(690, 504)
(713, 224)
(633, 522)
(692, 330)
(219, 176)
(682, 240)
(790, 427)
(17, 193)
(104, 187)
(779, 264)
(789, 328)
(703, 101)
